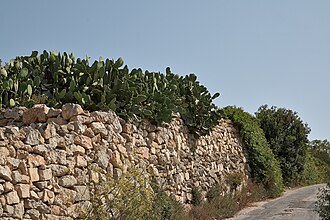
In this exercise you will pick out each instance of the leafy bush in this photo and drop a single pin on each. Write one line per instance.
(320, 150)
(323, 203)
(287, 137)
(265, 168)
(60, 78)
(311, 174)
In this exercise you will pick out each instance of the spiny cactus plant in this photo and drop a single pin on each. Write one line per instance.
(107, 84)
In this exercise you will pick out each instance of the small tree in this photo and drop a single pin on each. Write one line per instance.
(287, 136)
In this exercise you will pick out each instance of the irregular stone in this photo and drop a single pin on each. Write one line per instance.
(76, 149)
(59, 170)
(12, 198)
(56, 156)
(67, 181)
(16, 176)
(33, 137)
(23, 168)
(37, 113)
(79, 127)
(33, 213)
(83, 141)
(45, 174)
(53, 112)
(57, 210)
(8, 186)
(143, 151)
(41, 185)
(65, 197)
(99, 128)
(122, 150)
(48, 197)
(9, 209)
(1, 189)
(34, 175)
(115, 159)
(34, 195)
(80, 161)
(89, 133)
(93, 176)
(69, 110)
(4, 153)
(36, 160)
(102, 159)
(23, 190)
(5, 173)
(82, 193)
(48, 131)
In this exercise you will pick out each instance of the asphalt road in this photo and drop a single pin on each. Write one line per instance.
(295, 204)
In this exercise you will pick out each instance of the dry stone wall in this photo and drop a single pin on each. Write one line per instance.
(50, 157)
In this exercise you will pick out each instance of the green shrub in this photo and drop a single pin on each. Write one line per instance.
(265, 168)
(320, 150)
(287, 137)
(128, 197)
(197, 197)
(60, 78)
(323, 203)
(311, 174)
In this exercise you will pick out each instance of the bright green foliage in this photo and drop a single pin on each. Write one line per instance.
(311, 174)
(287, 137)
(265, 168)
(323, 203)
(320, 150)
(107, 85)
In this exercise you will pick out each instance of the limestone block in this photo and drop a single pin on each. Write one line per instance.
(33, 213)
(8, 186)
(33, 137)
(59, 170)
(37, 113)
(36, 160)
(82, 193)
(67, 181)
(102, 159)
(34, 175)
(99, 128)
(115, 159)
(53, 112)
(80, 161)
(12, 197)
(48, 131)
(48, 197)
(69, 110)
(65, 197)
(45, 174)
(83, 141)
(18, 210)
(5, 173)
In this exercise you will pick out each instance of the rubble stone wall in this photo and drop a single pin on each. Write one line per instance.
(49, 158)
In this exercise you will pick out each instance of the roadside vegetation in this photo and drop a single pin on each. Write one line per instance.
(276, 139)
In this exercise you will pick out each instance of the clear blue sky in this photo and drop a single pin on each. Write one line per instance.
(253, 52)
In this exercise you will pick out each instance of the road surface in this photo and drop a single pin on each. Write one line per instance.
(296, 204)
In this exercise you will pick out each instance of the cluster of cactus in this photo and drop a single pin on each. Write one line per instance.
(58, 78)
